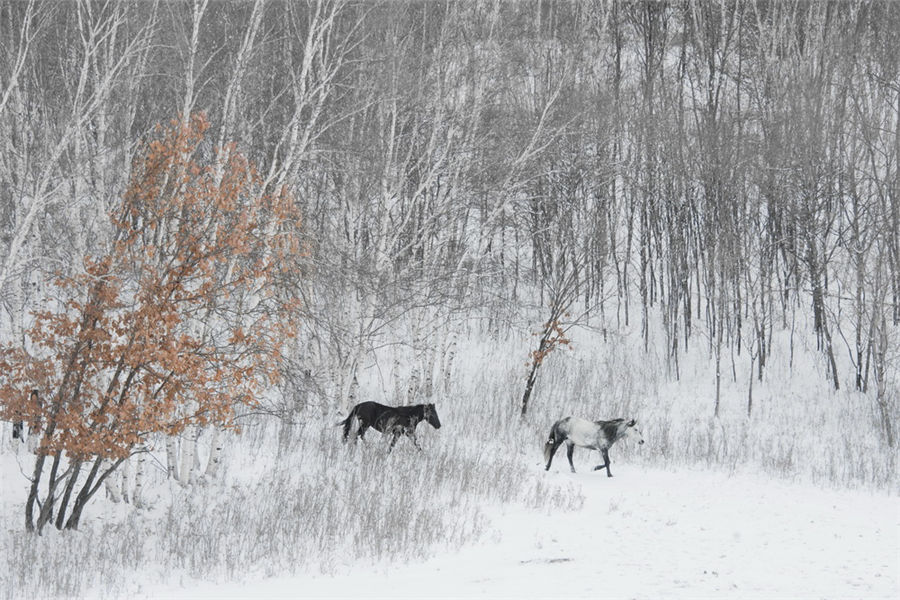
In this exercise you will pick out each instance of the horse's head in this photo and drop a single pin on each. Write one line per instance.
(633, 432)
(431, 416)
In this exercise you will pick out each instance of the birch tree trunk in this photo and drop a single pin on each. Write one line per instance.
(115, 485)
(216, 447)
(140, 473)
(189, 457)
(172, 471)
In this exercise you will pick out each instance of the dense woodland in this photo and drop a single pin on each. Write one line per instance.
(710, 172)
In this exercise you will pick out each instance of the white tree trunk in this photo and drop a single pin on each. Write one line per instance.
(139, 473)
(172, 458)
(125, 474)
(415, 376)
(32, 440)
(398, 379)
(353, 394)
(216, 447)
(230, 108)
(113, 483)
(187, 101)
(430, 360)
(189, 460)
(448, 362)
(350, 388)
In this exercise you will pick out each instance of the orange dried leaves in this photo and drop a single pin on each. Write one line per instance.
(177, 321)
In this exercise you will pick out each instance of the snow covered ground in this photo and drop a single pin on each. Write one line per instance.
(789, 503)
(645, 533)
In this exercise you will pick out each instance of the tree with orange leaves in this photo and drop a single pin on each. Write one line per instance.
(178, 319)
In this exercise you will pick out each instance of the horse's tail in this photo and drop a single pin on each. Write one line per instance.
(346, 423)
(556, 437)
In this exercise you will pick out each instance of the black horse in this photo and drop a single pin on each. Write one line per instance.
(393, 420)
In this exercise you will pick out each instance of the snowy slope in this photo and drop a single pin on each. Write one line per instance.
(644, 534)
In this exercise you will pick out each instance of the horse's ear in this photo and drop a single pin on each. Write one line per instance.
(631, 423)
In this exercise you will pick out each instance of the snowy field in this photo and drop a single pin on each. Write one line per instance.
(791, 503)
(645, 533)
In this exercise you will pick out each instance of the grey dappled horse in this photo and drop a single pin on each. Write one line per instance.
(594, 435)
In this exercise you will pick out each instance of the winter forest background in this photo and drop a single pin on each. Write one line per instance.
(685, 212)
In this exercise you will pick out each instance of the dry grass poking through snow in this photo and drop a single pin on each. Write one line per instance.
(800, 428)
(324, 505)
(321, 506)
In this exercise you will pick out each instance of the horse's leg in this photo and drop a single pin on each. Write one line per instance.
(412, 436)
(361, 433)
(550, 453)
(569, 451)
(605, 453)
(394, 437)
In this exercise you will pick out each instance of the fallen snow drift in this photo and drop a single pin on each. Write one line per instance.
(644, 533)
